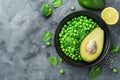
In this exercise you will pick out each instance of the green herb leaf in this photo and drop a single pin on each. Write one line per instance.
(81, 34)
(69, 41)
(46, 10)
(115, 48)
(46, 35)
(56, 3)
(95, 71)
(53, 60)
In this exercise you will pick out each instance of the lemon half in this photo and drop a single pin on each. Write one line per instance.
(110, 15)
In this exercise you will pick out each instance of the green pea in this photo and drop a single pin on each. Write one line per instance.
(90, 25)
(87, 24)
(72, 8)
(62, 32)
(62, 46)
(63, 39)
(65, 26)
(92, 22)
(86, 21)
(67, 54)
(84, 24)
(90, 19)
(73, 56)
(88, 28)
(63, 49)
(81, 17)
(68, 22)
(61, 60)
(48, 43)
(85, 17)
(115, 70)
(63, 29)
(75, 18)
(80, 22)
(60, 35)
(62, 71)
(76, 59)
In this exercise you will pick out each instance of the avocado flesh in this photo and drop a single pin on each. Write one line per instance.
(92, 45)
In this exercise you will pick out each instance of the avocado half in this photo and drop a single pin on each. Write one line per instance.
(92, 45)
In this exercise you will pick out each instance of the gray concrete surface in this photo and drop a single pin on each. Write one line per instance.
(24, 56)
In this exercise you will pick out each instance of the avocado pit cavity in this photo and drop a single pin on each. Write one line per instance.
(91, 47)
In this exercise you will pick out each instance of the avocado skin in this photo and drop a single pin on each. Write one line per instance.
(92, 4)
(97, 35)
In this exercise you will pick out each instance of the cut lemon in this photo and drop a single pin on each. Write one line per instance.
(110, 15)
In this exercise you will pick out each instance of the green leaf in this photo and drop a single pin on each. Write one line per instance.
(68, 41)
(53, 60)
(94, 71)
(82, 34)
(56, 3)
(46, 35)
(115, 48)
(46, 10)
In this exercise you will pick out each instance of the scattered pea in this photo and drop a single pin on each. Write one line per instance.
(72, 8)
(76, 59)
(61, 60)
(62, 71)
(48, 43)
(115, 70)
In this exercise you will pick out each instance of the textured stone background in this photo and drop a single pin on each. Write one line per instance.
(24, 56)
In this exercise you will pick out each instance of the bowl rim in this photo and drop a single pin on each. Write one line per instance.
(99, 21)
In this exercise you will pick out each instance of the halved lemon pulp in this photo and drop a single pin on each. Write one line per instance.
(110, 15)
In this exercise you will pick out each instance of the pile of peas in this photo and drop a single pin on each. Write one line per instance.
(72, 33)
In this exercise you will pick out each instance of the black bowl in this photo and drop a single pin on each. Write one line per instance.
(99, 21)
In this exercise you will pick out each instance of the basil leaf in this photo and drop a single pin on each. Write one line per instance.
(46, 35)
(115, 48)
(82, 34)
(95, 71)
(56, 3)
(46, 10)
(53, 60)
(68, 41)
